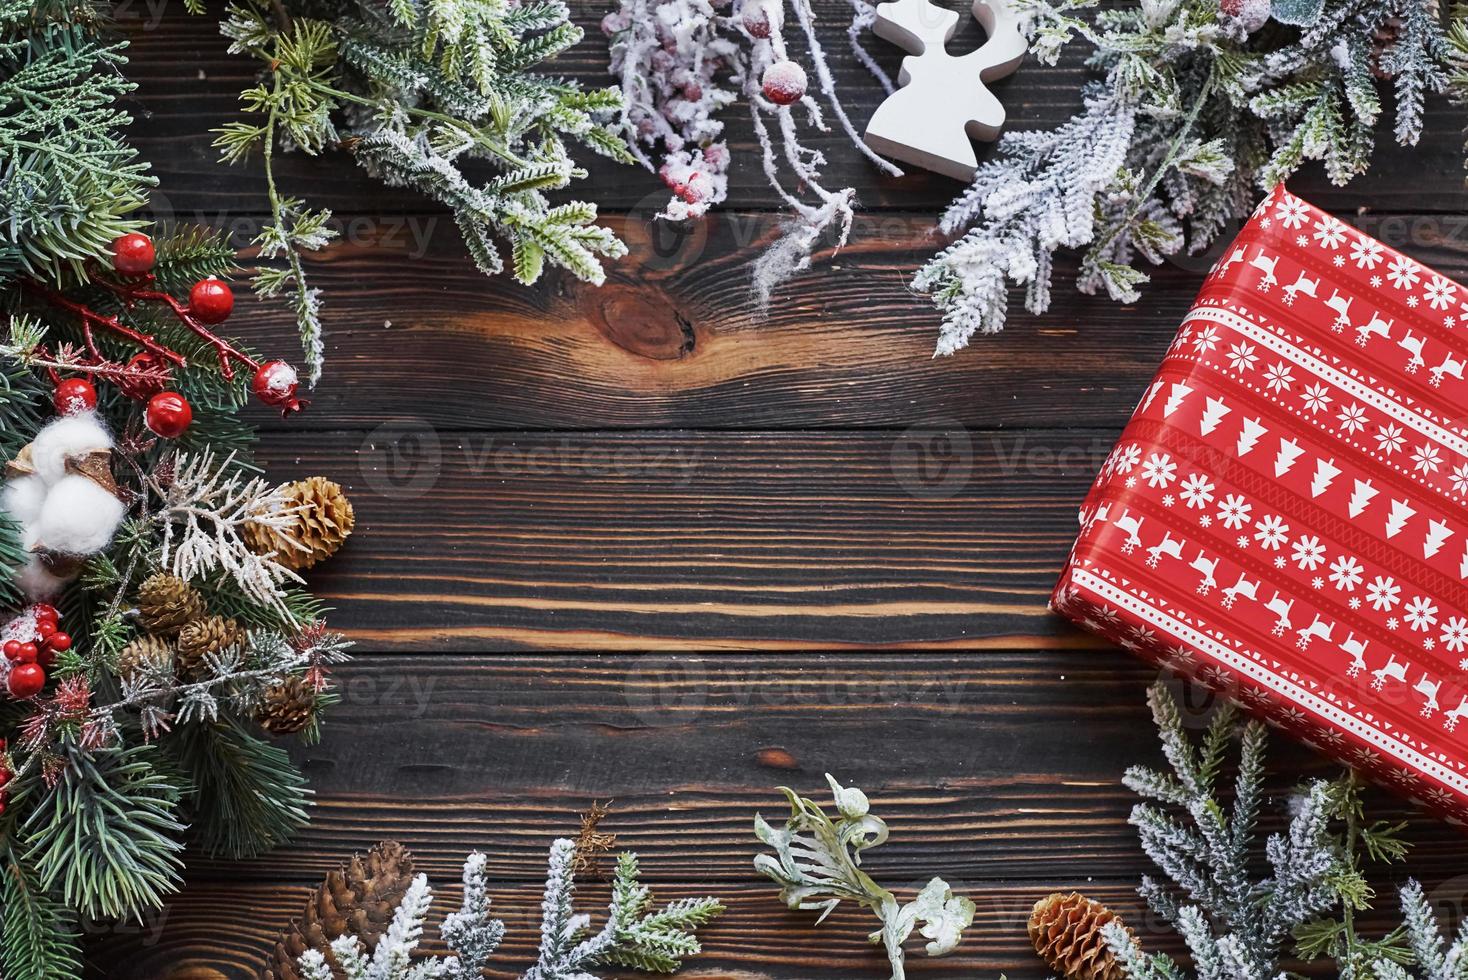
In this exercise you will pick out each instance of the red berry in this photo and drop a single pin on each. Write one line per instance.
(12, 649)
(47, 658)
(760, 18)
(26, 680)
(74, 395)
(44, 628)
(5, 775)
(28, 653)
(58, 641)
(211, 300)
(3, 800)
(168, 414)
(783, 83)
(132, 254)
(275, 384)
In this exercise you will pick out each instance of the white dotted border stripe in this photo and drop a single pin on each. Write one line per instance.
(1449, 440)
(1244, 665)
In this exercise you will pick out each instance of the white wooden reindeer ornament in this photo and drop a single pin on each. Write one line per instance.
(943, 100)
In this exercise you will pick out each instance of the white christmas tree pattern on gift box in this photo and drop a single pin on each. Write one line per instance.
(943, 99)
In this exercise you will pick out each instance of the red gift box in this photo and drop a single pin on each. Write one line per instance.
(1284, 517)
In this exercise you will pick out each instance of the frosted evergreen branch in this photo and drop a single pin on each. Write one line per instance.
(1431, 957)
(817, 863)
(1235, 923)
(636, 934)
(1198, 109)
(415, 90)
(204, 508)
(71, 180)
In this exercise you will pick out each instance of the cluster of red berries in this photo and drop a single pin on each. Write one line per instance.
(34, 650)
(144, 378)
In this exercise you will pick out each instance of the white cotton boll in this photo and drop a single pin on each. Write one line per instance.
(74, 435)
(37, 582)
(22, 498)
(79, 517)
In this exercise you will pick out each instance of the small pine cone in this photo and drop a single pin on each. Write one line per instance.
(288, 706)
(204, 637)
(166, 604)
(146, 653)
(315, 531)
(358, 900)
(1066, 932)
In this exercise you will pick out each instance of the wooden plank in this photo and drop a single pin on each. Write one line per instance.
(998, 772)
(175, 119)
(992, 766)
(673, 339)
(474, 541)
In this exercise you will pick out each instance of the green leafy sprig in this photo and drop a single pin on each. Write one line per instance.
(817, 863)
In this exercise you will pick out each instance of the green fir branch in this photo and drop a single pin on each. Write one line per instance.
(71, 179)
(39, 938)
(246, 796)
(105, 837)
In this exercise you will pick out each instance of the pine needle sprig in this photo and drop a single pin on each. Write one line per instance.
(105, 836)
(13, 558)
(245, 795)
(413, 91)
(644, 938)
(71, 179)
(21, 391)
(1430, 957)
(186, 255)
(1338, 937)
(39, 938)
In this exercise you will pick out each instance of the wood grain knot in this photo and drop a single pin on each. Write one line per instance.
(776, 758)
(641, 322)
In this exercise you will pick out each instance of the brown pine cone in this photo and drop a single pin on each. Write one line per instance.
(314, 532)
(146, 653)
(166, 603)
(358, 900)
(288, 706)
(203, 637)
(1066, 932)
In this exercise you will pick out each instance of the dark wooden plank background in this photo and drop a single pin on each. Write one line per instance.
(638, 543)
